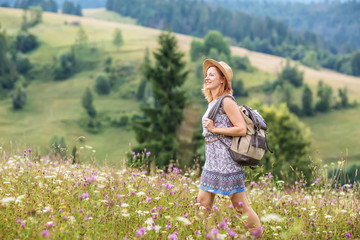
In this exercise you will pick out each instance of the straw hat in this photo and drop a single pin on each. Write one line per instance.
(224, 68)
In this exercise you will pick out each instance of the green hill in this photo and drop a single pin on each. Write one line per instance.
(54, 108)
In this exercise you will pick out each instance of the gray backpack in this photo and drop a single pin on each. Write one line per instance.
(247, 150)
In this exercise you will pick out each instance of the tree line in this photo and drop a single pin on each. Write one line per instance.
(336, 21)
(267, 35)
(68, 7)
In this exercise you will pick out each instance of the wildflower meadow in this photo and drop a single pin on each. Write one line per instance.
(51, 198)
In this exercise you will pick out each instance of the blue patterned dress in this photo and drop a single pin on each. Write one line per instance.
(220, 173)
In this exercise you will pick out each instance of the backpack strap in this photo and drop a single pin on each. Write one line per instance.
(214, 110)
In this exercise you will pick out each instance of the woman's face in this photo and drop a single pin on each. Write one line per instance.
(213, 79)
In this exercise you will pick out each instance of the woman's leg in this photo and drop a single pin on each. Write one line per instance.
(206, 199)
(244, 207)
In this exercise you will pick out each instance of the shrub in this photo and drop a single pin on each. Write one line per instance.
(25, 41)
(291, 74)
(289, 138)
(23, 64)
(18, 97)
(242, 63)
(239, 89)
(65, 65)
(102, 85)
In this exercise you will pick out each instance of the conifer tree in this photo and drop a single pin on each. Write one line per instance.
(18, 97)
(118, 39)
(157, 130)
(87, 103)
(307, 101)
(81, 38)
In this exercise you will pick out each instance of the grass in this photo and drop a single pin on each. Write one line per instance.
(103, 14)
(44, 198)
(341, 128)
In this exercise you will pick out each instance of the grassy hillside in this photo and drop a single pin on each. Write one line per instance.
(54, 108)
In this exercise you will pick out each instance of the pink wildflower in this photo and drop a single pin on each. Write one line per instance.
(140, 232)
(214, 231)
(232, 233)
(45, 233)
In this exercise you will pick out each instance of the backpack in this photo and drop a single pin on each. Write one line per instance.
(247, 150)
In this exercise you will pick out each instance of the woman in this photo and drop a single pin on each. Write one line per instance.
(221, 175)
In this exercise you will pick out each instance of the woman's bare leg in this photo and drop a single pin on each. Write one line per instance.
(206, 199)
(253, 221)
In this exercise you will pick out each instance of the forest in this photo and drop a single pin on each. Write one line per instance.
(335, 21)
(254, 33)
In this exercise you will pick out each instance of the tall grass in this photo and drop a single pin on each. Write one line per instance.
(42, 197)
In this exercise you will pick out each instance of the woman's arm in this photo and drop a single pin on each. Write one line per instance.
(233, 113)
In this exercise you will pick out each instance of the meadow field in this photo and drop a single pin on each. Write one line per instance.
(54, 107)
(51, 198)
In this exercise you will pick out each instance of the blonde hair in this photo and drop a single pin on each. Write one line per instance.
(225, 90)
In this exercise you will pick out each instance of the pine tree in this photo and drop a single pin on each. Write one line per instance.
(344, 101)
(18, 97)
(307, 101)
(118, 39)
(87, 102)
(81, 38)
(157, 130)
(324, 93)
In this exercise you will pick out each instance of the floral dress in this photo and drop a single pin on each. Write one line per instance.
(220, 173)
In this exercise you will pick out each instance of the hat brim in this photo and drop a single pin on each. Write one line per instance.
(211, 62)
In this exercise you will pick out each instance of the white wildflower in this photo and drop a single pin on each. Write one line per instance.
(167, 217)
(140, 193)
(184, 220)
(139, 212)
(7, 200)
(19, 198)
(307, 197)
(47, 209)
(157, 228)
(149, 221)
(71, 219)
(125, 215)
(328, 216)
(125, 205)
(50, 224)
(272, 217)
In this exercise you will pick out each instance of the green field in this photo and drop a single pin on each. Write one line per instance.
(54, 108)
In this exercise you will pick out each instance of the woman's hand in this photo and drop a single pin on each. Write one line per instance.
(209, 125)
